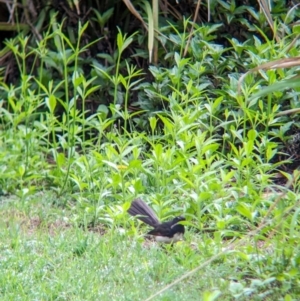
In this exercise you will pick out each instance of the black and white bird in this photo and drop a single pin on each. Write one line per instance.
(166, 232)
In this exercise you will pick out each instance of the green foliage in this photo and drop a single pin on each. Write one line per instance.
(180, 134)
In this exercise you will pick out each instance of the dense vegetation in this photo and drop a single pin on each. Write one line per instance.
(192, 107)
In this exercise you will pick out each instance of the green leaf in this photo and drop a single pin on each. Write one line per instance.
(21, 170)
(288, 298)
(51, 103)
(278, 86)
(153, 122)
(252, 134)
(60, 160)
(244, 210)
(296, 29)
(211, 296)
(151, 31)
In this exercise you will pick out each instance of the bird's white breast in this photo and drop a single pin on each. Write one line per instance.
(168, 240)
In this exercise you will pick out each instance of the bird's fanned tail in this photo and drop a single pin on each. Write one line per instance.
(143, 212)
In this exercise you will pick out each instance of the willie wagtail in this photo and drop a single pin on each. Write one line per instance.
(167, 232)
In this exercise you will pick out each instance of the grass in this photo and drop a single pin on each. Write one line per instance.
(46, 256)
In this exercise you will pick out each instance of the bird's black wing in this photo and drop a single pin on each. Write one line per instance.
(167, 229)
